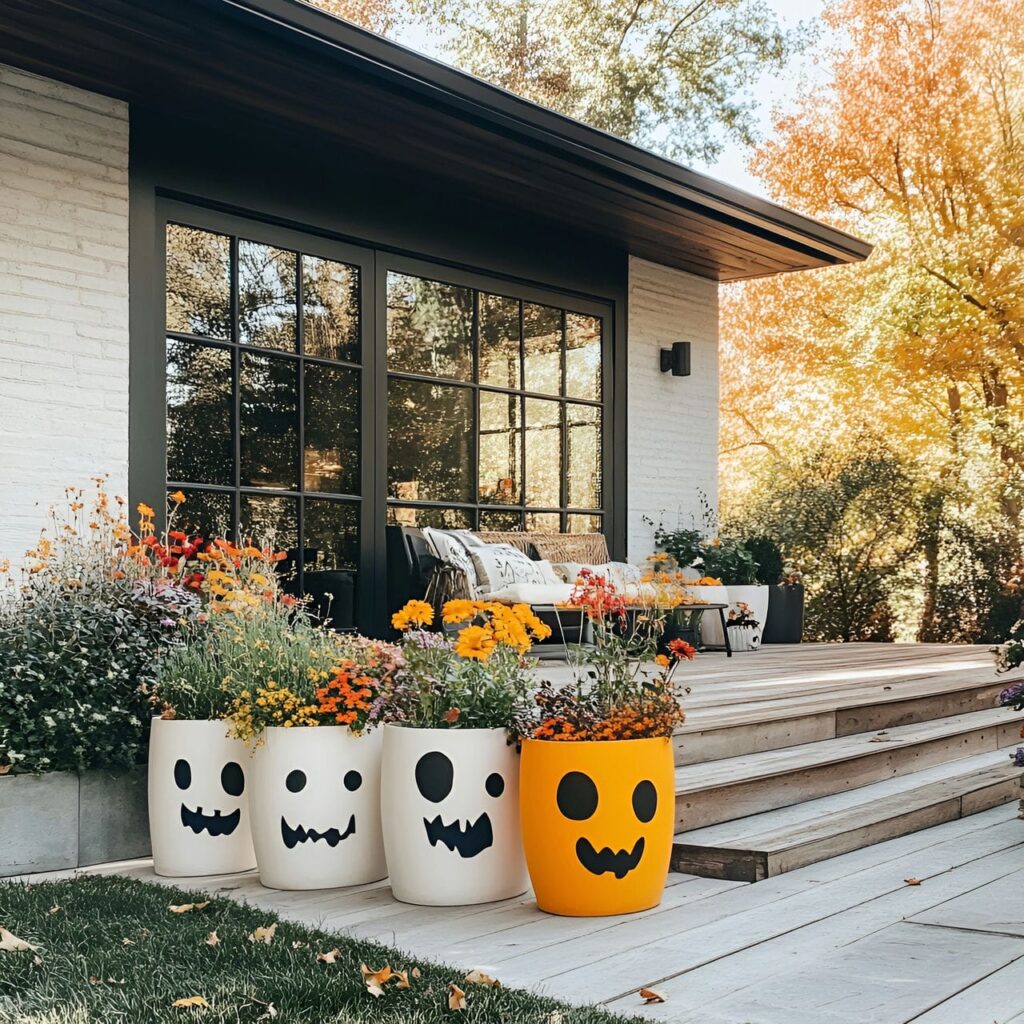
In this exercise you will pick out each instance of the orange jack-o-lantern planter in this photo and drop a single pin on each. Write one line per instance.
(597, 820)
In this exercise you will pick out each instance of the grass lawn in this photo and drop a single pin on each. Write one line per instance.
(110, 950)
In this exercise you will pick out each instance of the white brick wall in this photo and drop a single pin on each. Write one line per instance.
(672, 435)
(63, 297)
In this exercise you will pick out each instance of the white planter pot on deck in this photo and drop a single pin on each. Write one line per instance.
(316, 808)
(198, 799)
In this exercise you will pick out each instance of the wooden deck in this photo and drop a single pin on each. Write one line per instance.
(839, 941)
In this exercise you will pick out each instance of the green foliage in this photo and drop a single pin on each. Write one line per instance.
(848, 513)
(729, 560)
(141, 959)
(667, 74)
(685, 546)
(768, 555)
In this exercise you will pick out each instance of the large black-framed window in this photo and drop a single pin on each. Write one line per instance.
(496, 405)
(265, 376)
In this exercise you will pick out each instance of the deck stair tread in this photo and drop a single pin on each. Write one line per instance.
(734, 771)
(769, 843)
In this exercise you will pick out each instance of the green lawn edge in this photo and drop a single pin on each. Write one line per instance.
(110, 950)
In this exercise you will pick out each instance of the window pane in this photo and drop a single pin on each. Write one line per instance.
(271, 521)
(205, 514)
(542, 349)
(584, 451)
(199, 413)
(584, 523)
(583, 356)
(266, 296)
(500, 448)
(544, 522)
(198, 282)
(501, 519)
(430, 327)
(430, 429)
(543, 453)
(331, 460)
(270, 422)
(499, 341)
(331, 535)
(438, 518)
(330, 309)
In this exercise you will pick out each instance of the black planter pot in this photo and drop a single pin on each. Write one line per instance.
(785, 623)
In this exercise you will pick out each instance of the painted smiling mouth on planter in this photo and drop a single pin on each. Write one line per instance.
(468, 841)
(619, 863)
(293, 836)
(215, 824)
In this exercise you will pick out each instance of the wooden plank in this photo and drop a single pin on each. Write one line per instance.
(999, 998)
(997, 907)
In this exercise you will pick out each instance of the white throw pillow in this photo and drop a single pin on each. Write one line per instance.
(452, 548)
(621, 575)
(533, 593)
(502, 565)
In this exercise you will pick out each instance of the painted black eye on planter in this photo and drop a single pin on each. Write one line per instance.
(577, 796)
(353, 780)
(296, 781)
(232, 778)
(645, 800)
(495, 784)
(182, 774)
(434, 776)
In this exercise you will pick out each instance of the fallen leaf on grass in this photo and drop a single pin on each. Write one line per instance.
(298, 945)
(187, 908)
(188, 1001)
(55, 909)
(263, 934)
(649, 996)
(456, 997)
(329, 957)
(12, 944)
(476, 977)
(403, 979)
(375, 980)
(415, 972)
(213, 939)
(127, 942)
(554, 1017)
(912, 881)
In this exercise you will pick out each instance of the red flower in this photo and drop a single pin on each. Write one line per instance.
(680, 649)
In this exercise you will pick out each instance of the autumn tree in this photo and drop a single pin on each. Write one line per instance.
(915, 143)
(377, 15)
(668, 74)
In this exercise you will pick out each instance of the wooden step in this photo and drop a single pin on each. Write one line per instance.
(715, 732)
(736, 787)
(774, 842)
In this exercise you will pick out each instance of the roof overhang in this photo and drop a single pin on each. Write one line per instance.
(286, 62)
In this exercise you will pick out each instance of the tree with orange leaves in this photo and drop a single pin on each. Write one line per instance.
(915, 143)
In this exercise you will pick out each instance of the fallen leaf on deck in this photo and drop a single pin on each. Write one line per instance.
(476, 977)
(648, 995)
(184, 1004)
(375, 980)
(213, 939)
(263, 934)
(912, 881)
(187, 908)
(12, 944)
(4, 769)
(329, 957)
(456, 997)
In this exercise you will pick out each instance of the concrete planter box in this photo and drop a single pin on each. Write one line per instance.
(63, 820)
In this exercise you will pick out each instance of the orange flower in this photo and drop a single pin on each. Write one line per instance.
(178, 497)
(144, 510)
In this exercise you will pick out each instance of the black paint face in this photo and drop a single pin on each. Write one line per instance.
(232, 780)
(577, 799)
(435, 776)
(295, 782)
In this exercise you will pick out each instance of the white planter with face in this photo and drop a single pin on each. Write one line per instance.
(316, 808)
(198, 799)
(756, 596)
(450, 806)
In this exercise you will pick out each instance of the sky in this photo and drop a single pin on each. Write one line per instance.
(774, 89)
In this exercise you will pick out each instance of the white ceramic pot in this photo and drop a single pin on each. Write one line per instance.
(198, 799)
(450, 808)
(754, 595)
(710, 622)
(316, 808)
(745, 638)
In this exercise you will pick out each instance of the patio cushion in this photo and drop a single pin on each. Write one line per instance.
(532, 593)
(621, 574)
(452, 548)
(501, 565)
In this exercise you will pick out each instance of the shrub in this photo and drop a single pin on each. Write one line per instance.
(79, 633)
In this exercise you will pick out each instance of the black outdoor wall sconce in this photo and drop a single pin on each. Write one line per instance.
(676, 359)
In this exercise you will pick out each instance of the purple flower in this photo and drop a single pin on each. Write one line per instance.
(169, 623)
(1012, 695)
(1018, 757)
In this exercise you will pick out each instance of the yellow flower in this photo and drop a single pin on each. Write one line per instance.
(418, 613)
(475, 642)
(144, 510)
(178, 497)
(459, 610)
(662, 660)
